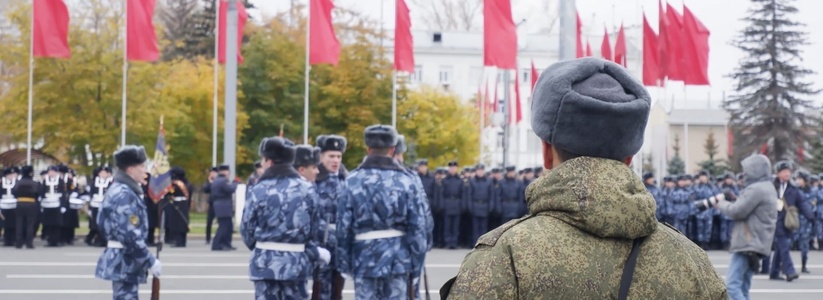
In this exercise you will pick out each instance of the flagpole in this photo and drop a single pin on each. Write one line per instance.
(216, 83)
(481, 101)
(31, 86)
(306, 78)
(394, 98)
(125, 71)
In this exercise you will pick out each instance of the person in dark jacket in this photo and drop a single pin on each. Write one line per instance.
(176, 208)
(26, 191)
(222, 192)
(787, 195)
(210, 212)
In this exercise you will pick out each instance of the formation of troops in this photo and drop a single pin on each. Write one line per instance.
(678, 196)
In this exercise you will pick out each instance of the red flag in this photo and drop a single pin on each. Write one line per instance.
(579, 44)
(695, 50)
(403, 42)
(588, 49)
(518, 109)
(499, 35)
(662, 44)
(242, 17)
(620, 48)
(496, 100)
(323, 44)
(140, 38)
(650, 67)
(674, 44)
(534, 76)
(605, 46)
(51, 29)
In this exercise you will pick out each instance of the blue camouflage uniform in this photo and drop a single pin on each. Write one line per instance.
(451, 205)
(381, 233)
(123, 220)
(726, 222)
(659, 199)
(481, 201)
(280, 216)
(818, 212)
(681, 204)
(803, 235)
(704, 218)
(329, 189)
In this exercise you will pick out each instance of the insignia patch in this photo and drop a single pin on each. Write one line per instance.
(134, 220)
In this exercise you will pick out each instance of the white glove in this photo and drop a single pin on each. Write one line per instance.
(88, 212)
(156, 269)
(720, 197)
(325, 255)
(62, 210)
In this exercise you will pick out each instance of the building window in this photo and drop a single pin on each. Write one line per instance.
(417, 75)
(526, 75)
(445, 74)
(437, 37)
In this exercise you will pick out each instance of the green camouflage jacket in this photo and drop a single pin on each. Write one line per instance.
(583, 216)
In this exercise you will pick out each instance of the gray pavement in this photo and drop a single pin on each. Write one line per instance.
(197, 273)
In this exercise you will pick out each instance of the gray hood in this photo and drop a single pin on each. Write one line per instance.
(756, 167)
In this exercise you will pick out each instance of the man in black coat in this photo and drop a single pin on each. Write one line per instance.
(26, 191)
(788, 195)
(222, 191)
(210, 212)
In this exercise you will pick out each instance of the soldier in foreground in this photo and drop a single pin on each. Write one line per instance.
(123, 222)
(331, 182)
(590, 211)
(280, 225)
(381, 230)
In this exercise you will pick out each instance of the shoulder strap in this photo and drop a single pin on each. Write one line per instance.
(628, 269)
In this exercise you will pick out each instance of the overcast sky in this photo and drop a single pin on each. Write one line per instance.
(722, 17)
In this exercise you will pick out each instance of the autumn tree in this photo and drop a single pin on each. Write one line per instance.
(676, 164)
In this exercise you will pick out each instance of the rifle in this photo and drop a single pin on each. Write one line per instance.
(411, 286)
(317, 286)
(155, 282)
(426, 283)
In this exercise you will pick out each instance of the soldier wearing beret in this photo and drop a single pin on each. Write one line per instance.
(222, 192)
(590, 210)
(124, 224)
(281, 225)
(26, 191)
(451, 204)
(331, 182)
(8, 205)
(381, 230)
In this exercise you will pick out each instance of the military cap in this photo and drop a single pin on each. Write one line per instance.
(440, 170)
(27, 171)
(380, 136)
(590, 107)
(464, 170)
(10, 170)
(511, 168)
(64, 168)
(538, 169)
(728, 175)
(306, 155)
(213, 169)
(496, 170)
(422, 162)
(401, 147)
(105, 168)
(479, 167)
(520, 172)
(223, 167)
(527, 170)
(453, 163)
(331, 143)
(279, 150)
(685, 177)
(804, 175)
(783, 165)
(129, 155)
(741, 176)
(177, 173)
(55, 168)
(667, 178)
(703, 173)
(814, 178)
(720, 178)
(44, 172)
(647, 175)
(258, 164)
(470, 169)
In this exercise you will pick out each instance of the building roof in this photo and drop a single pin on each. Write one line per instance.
(705, 117)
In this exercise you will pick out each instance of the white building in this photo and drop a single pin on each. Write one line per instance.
(453, 61)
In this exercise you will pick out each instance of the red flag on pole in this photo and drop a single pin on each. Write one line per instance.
(579, 44)
(323, 44)
(650, 67)
(674, 44)
(141, 39)
(50, 32)
(534, 76)
(496, 100)
(605, 46)
(695, 50)
(403, 42)
(662, 44)
(242, 17)
(588, 49)
(620, 48)
(518, 109)
(499, 35)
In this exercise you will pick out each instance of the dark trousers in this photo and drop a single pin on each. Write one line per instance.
(222, 238)
(8, 235)
(480, 225)
(94, 238)
(25, 222)
(437, 234)
(178, 239)
(782, 261)
(53, 234)
(451, 230)
(209, 220)
(67, 235)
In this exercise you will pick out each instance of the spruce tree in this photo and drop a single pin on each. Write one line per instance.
(714, 166)
(773, 100)
(676, 164)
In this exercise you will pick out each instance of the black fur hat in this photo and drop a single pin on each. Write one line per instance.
(648, 175)
(306, 155)
(401, 147)
(177, 173)
(783, 165)
(422, 162)
(279, 150)
(10, 170)
(331, 143)
(27, 171)
(223, 167)
(129, 155)
(380, 136)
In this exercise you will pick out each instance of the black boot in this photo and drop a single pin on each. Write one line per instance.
(804, 270)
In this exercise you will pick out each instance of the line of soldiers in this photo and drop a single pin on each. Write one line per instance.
(473, 199)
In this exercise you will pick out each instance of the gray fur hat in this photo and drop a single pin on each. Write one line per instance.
(590, 107)
(380, 136)
(129, 155)
(279, 150)
(306, 155)
(401, 147)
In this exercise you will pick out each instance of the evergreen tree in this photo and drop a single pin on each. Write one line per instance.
(676, 164)
(772, 100)
(815, 164)
(648, 164)
(178, 19)
(202, 29)
(715, 167)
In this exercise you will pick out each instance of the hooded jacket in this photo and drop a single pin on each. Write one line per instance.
(583, 216)
(755, 210)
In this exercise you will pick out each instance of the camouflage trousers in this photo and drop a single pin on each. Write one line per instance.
(122, 290)
(327, 278)
(704, 229)
(384, 288)
(280, 289)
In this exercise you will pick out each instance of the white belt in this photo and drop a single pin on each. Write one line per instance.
(180, 199)
(332, 226)
(114, 245)
(379, 234)
(50, 203)
(285, 247)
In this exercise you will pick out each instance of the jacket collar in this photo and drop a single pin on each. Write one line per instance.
(381, 162)
(124, 178)
(324, 173)
(279, 171)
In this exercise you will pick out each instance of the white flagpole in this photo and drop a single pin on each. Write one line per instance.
(216, 82)
(31, 86)
(481, 101)
(394, 98)
(125, 71)
(306, 78)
